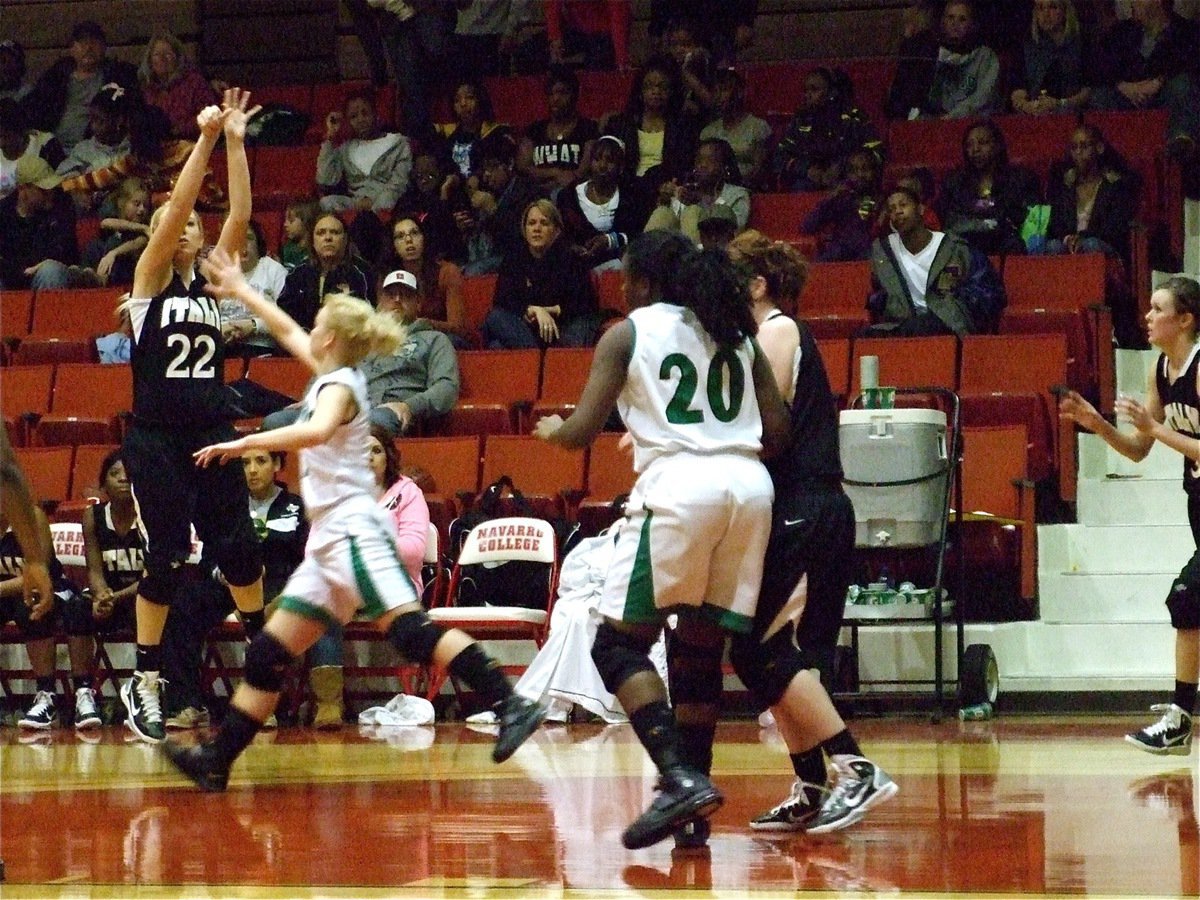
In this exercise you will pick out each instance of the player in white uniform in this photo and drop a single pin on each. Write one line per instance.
(701, 405)
(350, 560)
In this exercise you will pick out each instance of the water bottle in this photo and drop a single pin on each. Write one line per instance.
(976, 713)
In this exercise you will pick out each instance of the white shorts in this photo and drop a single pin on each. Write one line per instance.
(350, 563)
(695, 534)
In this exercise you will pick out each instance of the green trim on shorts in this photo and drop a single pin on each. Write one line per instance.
(373, 606)
(727, 619)
(639, 596)
(306, 610)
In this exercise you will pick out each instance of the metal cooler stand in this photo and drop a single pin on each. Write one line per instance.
(922, 492)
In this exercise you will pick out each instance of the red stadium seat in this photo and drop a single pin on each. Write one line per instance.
(25, 398)
(87, 405)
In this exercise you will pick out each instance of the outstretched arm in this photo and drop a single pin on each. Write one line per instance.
(234, 106)
(226, 279)
(609, 367)
(1135, 446)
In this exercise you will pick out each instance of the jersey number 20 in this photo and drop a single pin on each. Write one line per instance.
(724, 362)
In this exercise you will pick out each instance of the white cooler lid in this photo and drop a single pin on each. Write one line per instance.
(904, 416)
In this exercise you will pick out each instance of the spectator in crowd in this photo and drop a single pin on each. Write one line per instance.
(554, 150)
(595, 30)
(298, 221)
(487, 33)
(966, 77)
(659, 138)
(403, 500)
(747, 134)
(13, 84)
(108, 141)
(844, 222)
(419, 382)
(473, 121)
(245, 332)
(600, 214)
(684, 42)
(38, 224)
(417, 40)
(59, 99)
(439, 281)
(423, 201)
(114, 253)
(368, 171)
(929, 282)
(920, 180)
(986, 200)
(710, 184)
(489, 210)
(113, 546)
(916, 58)
(38, 625)
(1052, 79)
(17, 140)
(822, 134)
(1151, 61)
(728, 24)
(544, 295)
(332, 268)
(171, 81)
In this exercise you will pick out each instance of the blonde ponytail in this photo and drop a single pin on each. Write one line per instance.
(362, 330)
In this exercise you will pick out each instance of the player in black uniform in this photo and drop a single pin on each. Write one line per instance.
(179, 406)
(1171, 414)
(114, 547)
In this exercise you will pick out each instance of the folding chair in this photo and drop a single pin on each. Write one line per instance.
(564, 373)
(550, 477)
(609, 475)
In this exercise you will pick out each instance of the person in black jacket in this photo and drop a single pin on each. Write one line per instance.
(331, 268)
(544, 294)
(601, 213)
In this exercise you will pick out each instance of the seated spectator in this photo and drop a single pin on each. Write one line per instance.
(966, 76)
(108, 127)
(17, 140)
(708, 185)
(59, 99)
(544, 295)
(1151, 61)
(845, 220)
(38, 626)
(928, 282)
(716, 228)
(921, 182)
(684, 42)
(916, 59)
(419, 382)
(473, 121)
(822, 134)
(298, 221)
(114, 253)
(243, 331)
(439, 281)
(1052, 77)
(423, 201)
(171, 81)
(986, 199)
(728, 25)
(488, 208)
(601, 213)
(403, 500)
(13, 85)
(748, 135)
(553, 150)
(113, 545)
(331, 268)
(205, 602)
(369, 170)
(38, 224)
(659, 138)
(597, 31)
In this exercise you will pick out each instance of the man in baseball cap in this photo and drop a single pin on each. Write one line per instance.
(37, 222)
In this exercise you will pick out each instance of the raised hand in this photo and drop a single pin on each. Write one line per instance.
(210, 119)
(237, 110)
(223, 272)
(223, 453)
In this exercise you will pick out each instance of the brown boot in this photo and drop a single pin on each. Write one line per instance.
(326, 683)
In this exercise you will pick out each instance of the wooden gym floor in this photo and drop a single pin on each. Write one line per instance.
(1029, 807)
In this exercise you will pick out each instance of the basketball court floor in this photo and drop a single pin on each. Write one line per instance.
(1014, 807)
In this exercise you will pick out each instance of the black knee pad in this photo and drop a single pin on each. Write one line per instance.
(162, 583)
(695, 671)
(77, 617)
(1183, 603)
(619, 655)
(415, 635)
(266, 662)
(767, 668)
(240, 562)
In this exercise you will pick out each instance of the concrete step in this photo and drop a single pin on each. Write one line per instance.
(1097, 461)
(1113, 549)
(1131, 501)
(1132, 369)
(1076, 599)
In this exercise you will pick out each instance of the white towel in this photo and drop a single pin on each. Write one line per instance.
(402, 709)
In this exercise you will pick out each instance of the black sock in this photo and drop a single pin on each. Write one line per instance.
(696, 746)
(842, 744)
(655, 727)
(149, 657)
(809, 767)
(45, 683)
(237, 731)
(253, 622)
(82, 681)
(482, 673)
(1185, 695)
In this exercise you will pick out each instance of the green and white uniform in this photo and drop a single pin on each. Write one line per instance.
(700, 514)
